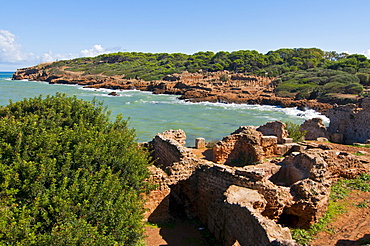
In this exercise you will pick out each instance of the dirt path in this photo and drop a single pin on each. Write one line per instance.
(352, 227)
(177, 233)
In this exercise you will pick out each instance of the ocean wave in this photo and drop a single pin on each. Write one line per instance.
(306, 114)
(173, 99)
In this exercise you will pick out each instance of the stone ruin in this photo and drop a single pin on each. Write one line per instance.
(348, 124)
(242, 198)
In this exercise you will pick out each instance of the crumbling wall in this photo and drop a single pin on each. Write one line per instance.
(238, 218)
(243, 147)
(197, 185)
(274, 128)
(294, 191)
(350, 122)
(314, 128)
(157, 201)
(172, 163)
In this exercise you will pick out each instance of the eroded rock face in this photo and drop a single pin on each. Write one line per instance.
(240, 215)
(314, 128)
(241, 148)
(274, 128)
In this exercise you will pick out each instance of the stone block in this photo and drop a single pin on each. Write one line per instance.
(282, 149)
(288, 140)
(336, 138)
(200, 143)
(268, 141)
(298, 148)
(291, 147)
(275, 128)
(322, 139)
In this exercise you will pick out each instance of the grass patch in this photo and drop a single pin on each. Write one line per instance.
(304, 236)
(358, 154)
(361, 145)
(364, 204)
(339, 191)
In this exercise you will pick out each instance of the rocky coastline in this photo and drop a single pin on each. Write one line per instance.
(258, 181)
(224, 86)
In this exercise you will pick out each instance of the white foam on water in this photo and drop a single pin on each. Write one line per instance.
(306, 114)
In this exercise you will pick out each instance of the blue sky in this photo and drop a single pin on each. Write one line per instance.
(37, 31)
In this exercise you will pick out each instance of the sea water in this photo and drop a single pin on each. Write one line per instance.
(150, 114)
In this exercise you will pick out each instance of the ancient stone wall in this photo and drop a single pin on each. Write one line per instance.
(314, 129)
(240, 204)
(242, 147)
(351, 122)
(274, 128)
(238, 218)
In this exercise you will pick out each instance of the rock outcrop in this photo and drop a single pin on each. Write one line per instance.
(195, 87)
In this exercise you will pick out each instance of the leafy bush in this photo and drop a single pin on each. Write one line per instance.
(364, 78)
(353, 88)
(224, 77)
(68, 175)
(294, 132)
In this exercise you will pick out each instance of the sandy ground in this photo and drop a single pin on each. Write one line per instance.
(178, 233)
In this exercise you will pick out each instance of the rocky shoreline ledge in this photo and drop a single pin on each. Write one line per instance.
(222, 86)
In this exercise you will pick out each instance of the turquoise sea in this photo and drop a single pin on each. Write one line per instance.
(150, 114)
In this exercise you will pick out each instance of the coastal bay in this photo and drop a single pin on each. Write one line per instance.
(152, 113)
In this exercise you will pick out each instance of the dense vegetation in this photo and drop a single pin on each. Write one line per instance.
(69, 175)
(303, 72)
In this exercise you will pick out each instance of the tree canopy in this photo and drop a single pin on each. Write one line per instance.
(69, 175)
(153, 66)
(300, 63)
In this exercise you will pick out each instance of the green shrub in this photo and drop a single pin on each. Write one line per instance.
(69, 176)
(353, 89)
(364, 78)
(294, 132)
(224, 77)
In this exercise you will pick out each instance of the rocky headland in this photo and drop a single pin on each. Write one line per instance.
(223, 86)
